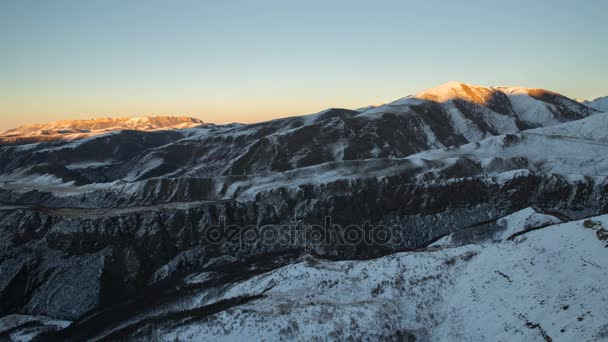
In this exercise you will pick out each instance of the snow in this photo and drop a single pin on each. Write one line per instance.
(501, 123)
(549, 282)
(146, 166)
(431, 139)
(443, 93)
(35, 181)
(81, 139)
(511, 224)
(522, 220)
(468, 129)
(87, 165)
(506, 176)
(529, 109)
(456, 90)
(324, 173)
(601, 104)
(366, 108)
(576, 147)
(541, 273)
(594, 127)
(398, 106)
(571, 149)
(574, 150)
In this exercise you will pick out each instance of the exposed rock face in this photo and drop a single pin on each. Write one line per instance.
(87, 225)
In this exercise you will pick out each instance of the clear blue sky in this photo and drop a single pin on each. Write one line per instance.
(247, 61)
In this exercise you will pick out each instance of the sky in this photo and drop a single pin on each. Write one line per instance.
(248, 61)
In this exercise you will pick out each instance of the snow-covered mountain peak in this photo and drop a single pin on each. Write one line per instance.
(456, 90)
(481, 95)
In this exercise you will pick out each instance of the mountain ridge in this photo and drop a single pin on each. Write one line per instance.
(500, 99)
(69, 130)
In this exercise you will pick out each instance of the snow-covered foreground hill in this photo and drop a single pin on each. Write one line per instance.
(539, 282)
(545, 284)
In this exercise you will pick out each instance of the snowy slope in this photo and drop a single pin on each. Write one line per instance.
(601, 103)
(502, 229)
(593, 128)
(543, 285)
(575, 149)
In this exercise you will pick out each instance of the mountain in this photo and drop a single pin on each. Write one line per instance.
(69, 130)
(601, 104)
(449, 115)
(134, 234)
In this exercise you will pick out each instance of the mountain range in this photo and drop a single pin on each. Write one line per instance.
(493, 199)
(69, 130)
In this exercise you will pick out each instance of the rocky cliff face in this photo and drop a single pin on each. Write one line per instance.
(90, 226)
